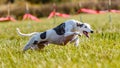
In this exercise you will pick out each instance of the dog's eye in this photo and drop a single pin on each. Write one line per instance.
(85, 26)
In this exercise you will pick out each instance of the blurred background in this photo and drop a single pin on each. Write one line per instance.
(42, 8)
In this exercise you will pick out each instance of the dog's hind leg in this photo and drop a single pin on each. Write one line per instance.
(27, 46)
(30, 43)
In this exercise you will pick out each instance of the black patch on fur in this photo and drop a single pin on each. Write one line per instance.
(78, 24)
(35, 42)
(60, 29)
(43, 35)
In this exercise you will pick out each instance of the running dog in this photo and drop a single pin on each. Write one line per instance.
(69, 31)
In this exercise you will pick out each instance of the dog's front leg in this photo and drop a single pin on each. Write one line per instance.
(71, 37)
(71, 33)
(76, 42)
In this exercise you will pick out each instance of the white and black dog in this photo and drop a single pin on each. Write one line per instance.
(69, 31)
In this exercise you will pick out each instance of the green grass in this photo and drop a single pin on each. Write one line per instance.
(101, 50)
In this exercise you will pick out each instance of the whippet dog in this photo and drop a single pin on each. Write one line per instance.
(69, 31)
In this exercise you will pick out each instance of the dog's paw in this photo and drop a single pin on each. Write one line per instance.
(77, 33)
(80, 34)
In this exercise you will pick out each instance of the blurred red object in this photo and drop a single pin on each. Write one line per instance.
(29, 16)
(53, 13)
(115, 11)
(105, 11)
(8, 18)
(90, 11)
(62, 15)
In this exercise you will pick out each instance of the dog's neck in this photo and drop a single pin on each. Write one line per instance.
(75, 26)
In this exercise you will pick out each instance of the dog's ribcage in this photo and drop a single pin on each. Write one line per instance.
(58, 34)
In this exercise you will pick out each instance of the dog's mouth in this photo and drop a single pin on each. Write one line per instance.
(86, 33)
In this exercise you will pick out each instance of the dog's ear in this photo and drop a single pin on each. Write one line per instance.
(78, 24)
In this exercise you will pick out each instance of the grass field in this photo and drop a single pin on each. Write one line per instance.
(101, 50)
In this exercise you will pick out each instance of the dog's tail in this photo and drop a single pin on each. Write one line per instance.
(21, 34)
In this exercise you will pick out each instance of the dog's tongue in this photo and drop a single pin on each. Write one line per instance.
(86, 34)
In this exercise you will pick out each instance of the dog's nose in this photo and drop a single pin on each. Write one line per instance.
(92, 31)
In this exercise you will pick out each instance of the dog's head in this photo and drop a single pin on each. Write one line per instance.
(84, 28)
